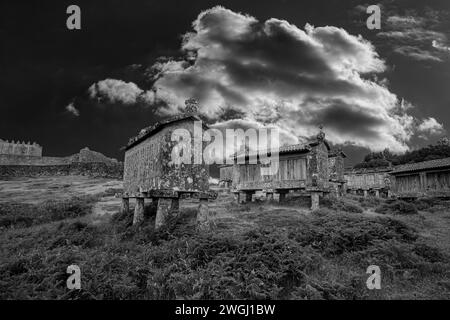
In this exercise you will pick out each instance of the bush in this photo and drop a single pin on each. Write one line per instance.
(397, 207)
(25, 215)
(342, 204)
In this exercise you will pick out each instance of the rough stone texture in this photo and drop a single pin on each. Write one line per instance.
(314, 200)
(125, 205)
(204, 221)
(269, 196)
(167, 209)
(138, 217)
(148, 164)
(77, 169)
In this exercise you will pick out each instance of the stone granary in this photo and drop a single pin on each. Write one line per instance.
(150, 173)
(427, 178)
(374, 181)
(302, 167)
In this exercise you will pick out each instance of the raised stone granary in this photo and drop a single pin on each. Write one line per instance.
(20, 148)
(150, 173)
(311, 168)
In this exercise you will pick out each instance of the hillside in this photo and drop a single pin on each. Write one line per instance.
(257, 250)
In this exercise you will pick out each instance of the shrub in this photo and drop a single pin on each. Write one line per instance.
(397, 207)
(25, 215)
(341, 204)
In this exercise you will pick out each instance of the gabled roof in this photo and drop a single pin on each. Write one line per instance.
(335, 153)
(151, 130)
(418, 166)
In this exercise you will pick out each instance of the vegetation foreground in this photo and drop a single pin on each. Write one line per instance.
(256, 251)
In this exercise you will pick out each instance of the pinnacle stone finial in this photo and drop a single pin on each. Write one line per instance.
(191, 106)
(321, 134)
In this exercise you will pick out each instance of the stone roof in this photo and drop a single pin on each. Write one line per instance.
(190, 112)
(418, 166)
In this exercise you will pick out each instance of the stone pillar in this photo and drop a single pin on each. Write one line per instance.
(138, 217)
(237, 197)
(167, 209)
(389, 193)
(365, 193)
(314, 200)
(269, 196)
(377, 193)
(125, 205)
(204, 222)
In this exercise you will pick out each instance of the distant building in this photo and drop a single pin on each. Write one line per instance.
(20, 148)
(368, 181)
(427, 178)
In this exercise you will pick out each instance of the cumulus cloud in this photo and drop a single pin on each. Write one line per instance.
(114, 91)
(276, 73)
(431, 126)
(71, 109)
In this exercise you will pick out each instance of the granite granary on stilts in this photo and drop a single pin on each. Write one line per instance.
(151, 173)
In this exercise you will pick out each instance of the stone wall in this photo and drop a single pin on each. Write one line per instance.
(7, 159)
(92, 169)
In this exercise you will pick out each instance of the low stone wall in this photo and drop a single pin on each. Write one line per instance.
(93, 169)
(8, 159)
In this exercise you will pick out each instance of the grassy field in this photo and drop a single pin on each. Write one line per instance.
(256, 251)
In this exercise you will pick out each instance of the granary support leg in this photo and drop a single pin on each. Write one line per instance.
(365, 193)
(269, 196)
(314, 200)
(204, 222)
(125, 205)
(167, 209)
(138, 217)
(237, 197)
(377, 193)
(282, 196)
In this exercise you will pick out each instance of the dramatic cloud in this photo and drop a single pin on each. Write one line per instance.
(274, 73)
(71, 109)
(431, 126)
(119, 91)
(410, 36)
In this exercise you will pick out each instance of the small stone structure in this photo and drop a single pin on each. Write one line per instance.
(150, 173)
(302, 167)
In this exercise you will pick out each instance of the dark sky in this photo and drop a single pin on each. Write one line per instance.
(44, 66)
